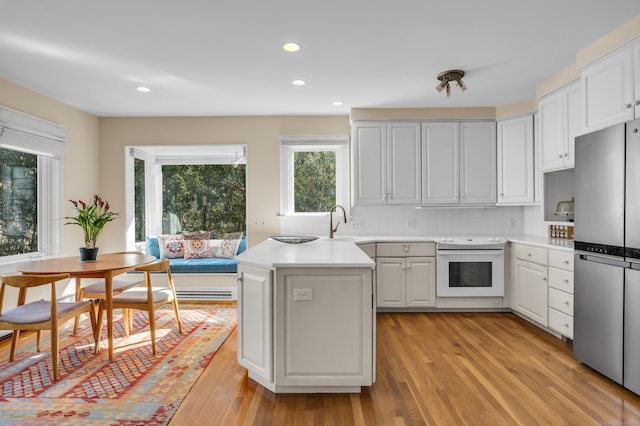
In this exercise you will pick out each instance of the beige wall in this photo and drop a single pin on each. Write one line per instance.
(261, 134)
(80, 175)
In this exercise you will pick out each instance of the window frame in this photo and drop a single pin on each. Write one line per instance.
(289, 145)
(47, 140)
(157, 156)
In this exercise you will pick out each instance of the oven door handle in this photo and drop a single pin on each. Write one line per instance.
(469, 252)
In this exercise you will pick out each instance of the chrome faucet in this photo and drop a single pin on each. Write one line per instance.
(344, 217)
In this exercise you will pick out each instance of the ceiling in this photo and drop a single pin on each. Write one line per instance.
(223, 58)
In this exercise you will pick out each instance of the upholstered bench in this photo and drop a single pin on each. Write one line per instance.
(207, 278)
(199, 265)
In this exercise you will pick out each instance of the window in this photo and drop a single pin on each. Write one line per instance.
(313, 174)
(210, 197)
(30, 185)
(139, 199)
(18, 209)
(185, 188)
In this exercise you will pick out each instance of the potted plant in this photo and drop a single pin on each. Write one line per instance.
(91, 218)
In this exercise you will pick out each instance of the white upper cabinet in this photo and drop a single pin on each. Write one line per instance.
(610, 94)
(478, 163)
(369, 163)
(386, 163)
(403, 153)
(459, 163)
(515, 161)
(559, 114)
(440, 163)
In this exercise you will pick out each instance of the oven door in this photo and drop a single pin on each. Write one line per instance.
(470, 273)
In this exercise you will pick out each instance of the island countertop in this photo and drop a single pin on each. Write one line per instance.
(319, 253)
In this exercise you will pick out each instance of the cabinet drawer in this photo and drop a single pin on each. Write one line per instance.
(531, 254)
(561, 322)
(561, 279)
(405, 249)
(561, 301)
(368, 248)
(561, 259)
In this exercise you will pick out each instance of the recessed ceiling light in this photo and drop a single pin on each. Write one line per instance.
(298, 82)
(143, 89)
(337, 103)
(291, 47)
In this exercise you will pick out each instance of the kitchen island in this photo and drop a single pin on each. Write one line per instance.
(306, 316)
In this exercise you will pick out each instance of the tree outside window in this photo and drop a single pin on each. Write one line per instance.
(314, 181)
(19, 207)
(208, 197)
(195, 197)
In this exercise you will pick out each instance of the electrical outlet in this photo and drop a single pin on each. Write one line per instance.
(302, 294)
(411, 223)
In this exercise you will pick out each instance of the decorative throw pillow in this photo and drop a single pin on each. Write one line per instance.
(229, 245)
(197, 245)
(170, 246)
(152, 247)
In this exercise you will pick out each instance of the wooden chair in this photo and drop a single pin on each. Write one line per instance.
(42, 314)
(147, 298)
(96, 291)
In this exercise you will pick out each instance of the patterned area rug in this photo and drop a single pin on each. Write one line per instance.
(136, 388)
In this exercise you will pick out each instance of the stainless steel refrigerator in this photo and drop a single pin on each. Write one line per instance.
(607, 253)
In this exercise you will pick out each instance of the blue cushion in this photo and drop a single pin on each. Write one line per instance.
(153, 247)
(243, 244)
(207, 265)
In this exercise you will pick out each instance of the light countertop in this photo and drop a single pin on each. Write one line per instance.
(341, 252)
(321, 253)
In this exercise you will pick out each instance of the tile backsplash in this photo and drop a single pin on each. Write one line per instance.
(429, 221)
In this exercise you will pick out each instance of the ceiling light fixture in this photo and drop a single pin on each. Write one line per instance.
(298, 82)
(447, 77)
(337, 103)
(143, 89)
(291, 47)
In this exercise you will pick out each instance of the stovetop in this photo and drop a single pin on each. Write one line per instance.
(470, 243)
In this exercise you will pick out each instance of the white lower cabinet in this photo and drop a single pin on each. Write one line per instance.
(561, 292)
(307, 329)
(405, 275)
(530, 276)
(255, 328)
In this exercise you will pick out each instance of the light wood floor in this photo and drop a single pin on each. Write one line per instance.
(432, 368)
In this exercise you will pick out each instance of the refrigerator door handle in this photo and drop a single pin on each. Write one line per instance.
(604, 260)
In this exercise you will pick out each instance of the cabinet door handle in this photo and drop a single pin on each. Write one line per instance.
(405, 248)
(559, 155)
(566, 281)
(638, 102)
(566, 262)
(566, 302)
(544, 278)
(627, 106)
(566, 155)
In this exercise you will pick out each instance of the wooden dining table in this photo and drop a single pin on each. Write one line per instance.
(106, 266)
